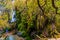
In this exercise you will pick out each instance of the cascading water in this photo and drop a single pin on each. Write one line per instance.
(13, 16)
(13, 13)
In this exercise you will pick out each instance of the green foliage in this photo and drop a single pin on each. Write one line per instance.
(30, 19)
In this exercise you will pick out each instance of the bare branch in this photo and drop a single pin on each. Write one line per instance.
(40, 7)
(53, 4)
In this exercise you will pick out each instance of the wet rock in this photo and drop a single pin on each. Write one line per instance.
(1, 32)
(19, 33)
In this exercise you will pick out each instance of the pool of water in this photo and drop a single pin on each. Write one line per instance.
(10, 37)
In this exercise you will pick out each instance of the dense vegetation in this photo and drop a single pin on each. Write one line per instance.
(39, 17)
(35, 17)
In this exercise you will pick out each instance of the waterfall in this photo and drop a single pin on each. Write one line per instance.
(13, 16)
